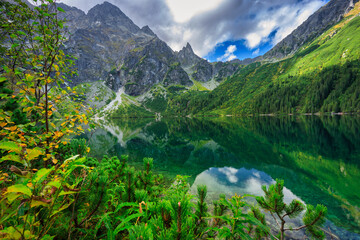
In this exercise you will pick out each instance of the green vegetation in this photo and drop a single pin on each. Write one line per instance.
(130, 111)
(109, 199)
(323, 76)
(157, 101)
(320, 152)
(274, 202)
(53, 190)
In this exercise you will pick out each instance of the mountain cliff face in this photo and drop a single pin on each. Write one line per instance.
(134, 61)
(110, 47)
(313, 27)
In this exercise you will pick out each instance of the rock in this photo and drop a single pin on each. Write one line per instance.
(202, 71)
(313, 27)
(177, 75)
(109, 47)
(187, 57)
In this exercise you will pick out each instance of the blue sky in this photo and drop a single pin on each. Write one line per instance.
(238, 50)
(216, 29)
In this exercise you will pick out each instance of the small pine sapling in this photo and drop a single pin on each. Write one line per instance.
(201, 210)
(273, 201)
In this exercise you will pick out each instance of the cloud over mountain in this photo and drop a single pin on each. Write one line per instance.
(206, 24)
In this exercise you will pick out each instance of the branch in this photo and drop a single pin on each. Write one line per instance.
(275, 219)
(287, 214)
(330, 233)
(304, 226)
(95, 209)
(73, 215)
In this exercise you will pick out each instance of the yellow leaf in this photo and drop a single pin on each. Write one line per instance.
(56, 67)
(55, 161)
(13, 128)
(19, 188)
(35, 203)
(33, 153)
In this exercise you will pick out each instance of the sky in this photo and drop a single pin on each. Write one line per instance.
(218, 30)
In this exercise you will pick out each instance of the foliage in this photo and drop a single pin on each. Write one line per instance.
(240, 222)
(44, 195)
(323, 76)
(33, 64)
(37, 188)
(273, 201)
(37, 199)
(74, 147)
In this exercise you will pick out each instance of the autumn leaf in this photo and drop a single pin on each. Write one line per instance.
(10, 146)
(33, 153)
(19, 188)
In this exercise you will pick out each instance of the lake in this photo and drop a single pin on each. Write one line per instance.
(318, 157)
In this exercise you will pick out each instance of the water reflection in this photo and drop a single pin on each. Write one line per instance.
(229, 181)
(318, 157)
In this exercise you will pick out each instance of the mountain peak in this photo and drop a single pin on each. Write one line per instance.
(106, 9)
(188, 48)
(146, 29)
(187, 57)
(109, 14)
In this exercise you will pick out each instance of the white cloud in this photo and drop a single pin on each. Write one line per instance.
(184, 10)
(230, 173)
(206, 23)
(256, 52)
(297, 18)
(261, 33)
(229, 54)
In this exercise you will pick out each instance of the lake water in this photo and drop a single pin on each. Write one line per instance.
(318, 157)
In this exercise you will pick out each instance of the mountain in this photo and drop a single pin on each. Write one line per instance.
(314, 69)
(109, 47)
(313, 27)
(323, 75)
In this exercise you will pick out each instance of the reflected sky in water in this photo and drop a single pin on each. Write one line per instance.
(317, 157)
(241, 181)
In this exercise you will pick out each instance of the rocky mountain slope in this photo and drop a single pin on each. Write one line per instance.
(322, 76)
(109, 47)
(148, 76)
(313, 27)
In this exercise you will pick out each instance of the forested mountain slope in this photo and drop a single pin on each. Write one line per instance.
(322, 76)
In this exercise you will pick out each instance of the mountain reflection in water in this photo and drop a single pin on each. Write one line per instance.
(318, 157)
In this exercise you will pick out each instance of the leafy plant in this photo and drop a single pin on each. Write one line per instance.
(238, 225)
(39, 197)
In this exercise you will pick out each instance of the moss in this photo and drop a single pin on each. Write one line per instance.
(138, 49)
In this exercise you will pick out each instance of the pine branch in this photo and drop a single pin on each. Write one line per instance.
(277, 222)
(304, 226)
